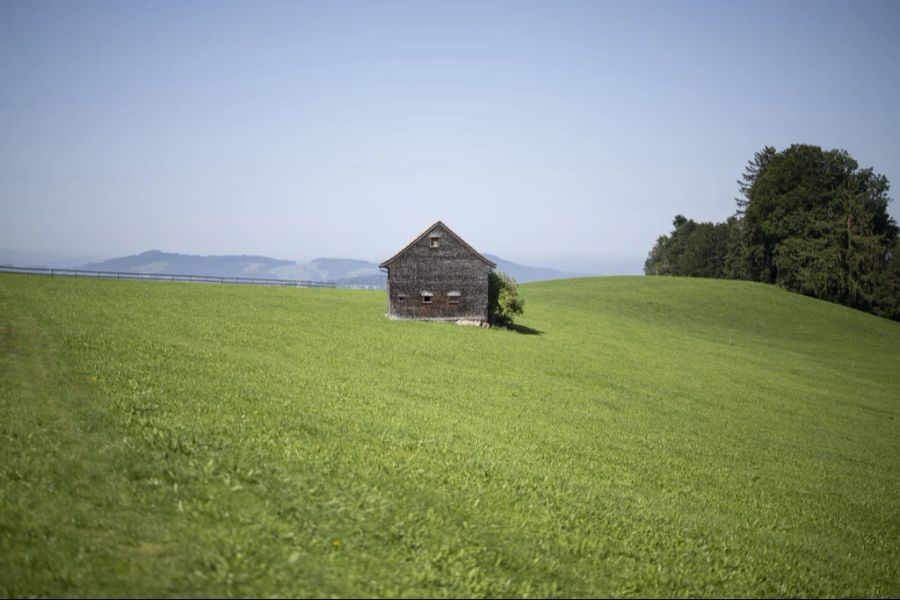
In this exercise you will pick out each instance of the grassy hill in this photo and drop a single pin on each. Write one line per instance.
(634, 437)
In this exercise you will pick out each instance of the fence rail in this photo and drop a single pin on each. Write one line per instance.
(163, 277)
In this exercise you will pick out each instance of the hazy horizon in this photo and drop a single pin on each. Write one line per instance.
(549, 134)
(573, 265)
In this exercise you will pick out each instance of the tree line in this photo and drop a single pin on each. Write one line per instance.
(807, 219)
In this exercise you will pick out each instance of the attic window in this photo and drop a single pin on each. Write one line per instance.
(453, 297)
(435, 241)
(427, 297)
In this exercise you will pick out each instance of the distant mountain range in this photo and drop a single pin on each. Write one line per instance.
(524, 274)
(344, 272)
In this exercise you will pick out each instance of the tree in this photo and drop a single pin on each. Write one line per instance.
(752, 171)
(692, 249)
(886, 297)
(665, 256)
(503, 299)
(704, 251)
(659, 259)
(817, 224)
(736, 264)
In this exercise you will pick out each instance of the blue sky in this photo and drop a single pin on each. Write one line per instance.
(556, 133)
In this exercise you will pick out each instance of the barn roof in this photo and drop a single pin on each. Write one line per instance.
(449, 232)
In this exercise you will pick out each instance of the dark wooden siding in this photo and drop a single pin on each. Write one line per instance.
(451, 267)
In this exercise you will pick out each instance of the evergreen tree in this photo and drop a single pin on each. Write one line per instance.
(753, 169)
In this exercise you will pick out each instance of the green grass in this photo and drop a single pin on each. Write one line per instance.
(658, 436)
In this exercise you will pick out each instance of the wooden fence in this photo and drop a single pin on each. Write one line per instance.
(162, 277)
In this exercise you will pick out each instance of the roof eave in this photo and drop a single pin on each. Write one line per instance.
(428, 229)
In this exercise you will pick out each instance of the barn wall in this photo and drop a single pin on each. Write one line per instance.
(449, 267)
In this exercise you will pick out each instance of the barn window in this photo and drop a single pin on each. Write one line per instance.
(427, 297)
(453, 297)
(401, 297)
(435, 241)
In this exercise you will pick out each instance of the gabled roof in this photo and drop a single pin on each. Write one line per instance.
(449, 232)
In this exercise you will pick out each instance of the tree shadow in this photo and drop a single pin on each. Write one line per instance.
(523, 329)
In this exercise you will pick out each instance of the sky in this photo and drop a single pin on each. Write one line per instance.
(556, 133)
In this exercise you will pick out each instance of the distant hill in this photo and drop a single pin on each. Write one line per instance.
(524, 274)
(337, 270)
(155, 261)
(344, 272)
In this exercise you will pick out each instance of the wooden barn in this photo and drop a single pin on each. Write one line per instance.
(438, 276)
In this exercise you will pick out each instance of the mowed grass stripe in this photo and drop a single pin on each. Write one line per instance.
(659, 436)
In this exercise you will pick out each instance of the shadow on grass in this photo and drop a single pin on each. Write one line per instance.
(524, 329)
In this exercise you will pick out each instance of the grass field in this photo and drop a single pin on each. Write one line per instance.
(634, 437)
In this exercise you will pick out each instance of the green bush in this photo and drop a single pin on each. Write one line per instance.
(503, 298)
